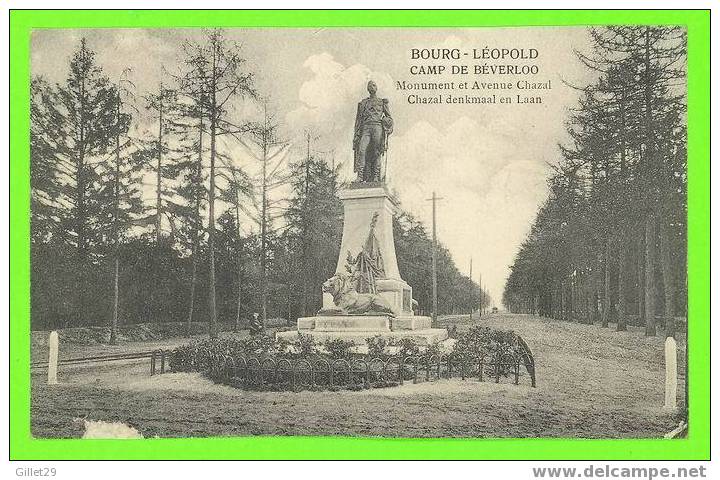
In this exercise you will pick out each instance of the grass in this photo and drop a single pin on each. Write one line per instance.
(592, 383)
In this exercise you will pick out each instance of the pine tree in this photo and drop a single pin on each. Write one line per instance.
(213, 79)
(314, 215)
(618, 189)
(122, 187)
(163, 108)
(72, 130)
(238, 189)
(271, 155)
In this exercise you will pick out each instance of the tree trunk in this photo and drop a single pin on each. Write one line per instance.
(238, 267)
(623, 284)
(289, 305)
(650, 254)
(595, 299)
(641, 274)
(193, 278)
(193, 281)
(668, 278)
(157, 274)
(116, 232)
(591, 313)
(80, 213)
(649, 141)
(573, 299)
(196, 229)
(158, 186)
(606, 300)
(213, 327)
(116, 301)
(558, 303)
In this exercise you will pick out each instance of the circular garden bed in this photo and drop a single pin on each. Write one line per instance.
(263, 363)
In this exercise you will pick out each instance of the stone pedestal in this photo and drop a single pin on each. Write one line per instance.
(358, 335)
(357, 328)
(361, 202)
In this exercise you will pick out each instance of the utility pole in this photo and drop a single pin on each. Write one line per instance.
(264, 207)
(308, 138)
(434, 200)
(305, 228)
(471, 305)
(482, 294)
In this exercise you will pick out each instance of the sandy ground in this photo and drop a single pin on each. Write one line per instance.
(592, 382)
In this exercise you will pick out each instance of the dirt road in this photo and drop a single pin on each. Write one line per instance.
(592, 382)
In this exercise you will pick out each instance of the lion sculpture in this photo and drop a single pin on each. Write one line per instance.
(349, 302)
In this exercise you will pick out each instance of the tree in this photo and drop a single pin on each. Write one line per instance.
(314, 216)
(213, 79)
(185, 172)
(238, 188)
(612, 199)
(122, 188)
(72, 129)
(267, 149)
(163, 108)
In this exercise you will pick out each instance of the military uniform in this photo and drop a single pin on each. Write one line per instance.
(373, 124)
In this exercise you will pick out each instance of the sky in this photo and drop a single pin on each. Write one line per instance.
(488, 163)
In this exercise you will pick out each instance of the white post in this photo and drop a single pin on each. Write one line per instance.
(670, 373)
(53, 358)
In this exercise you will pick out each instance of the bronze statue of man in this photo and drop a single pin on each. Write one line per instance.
(373, 125)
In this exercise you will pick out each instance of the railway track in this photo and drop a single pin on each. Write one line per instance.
(116, 357)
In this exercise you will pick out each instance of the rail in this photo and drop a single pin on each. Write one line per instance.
(115, 357)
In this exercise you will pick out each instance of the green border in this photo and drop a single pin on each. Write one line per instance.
(695, 447)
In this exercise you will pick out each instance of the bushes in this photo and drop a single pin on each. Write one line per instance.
(338, 348)
(193, 356)
(483, 340)
(491, 346)
(499, 351)
(406, 347)
(477, 341)
(305, 344)
(196, 356)
(376, 345)
(381, 347)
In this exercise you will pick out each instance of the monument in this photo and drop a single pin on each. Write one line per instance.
(366, 296)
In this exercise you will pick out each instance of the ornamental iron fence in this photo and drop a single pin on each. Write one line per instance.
(265, 371)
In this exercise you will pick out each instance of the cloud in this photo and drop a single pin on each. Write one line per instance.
(329, 99)
(490, 190)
